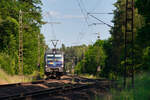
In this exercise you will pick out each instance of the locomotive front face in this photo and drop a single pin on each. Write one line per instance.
(54, 62)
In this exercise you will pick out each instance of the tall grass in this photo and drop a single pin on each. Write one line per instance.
(7, 63)
(7, 79)
(141, 90)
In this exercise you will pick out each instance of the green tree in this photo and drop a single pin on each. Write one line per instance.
(143, 36)
(9, 25)
(94, 57)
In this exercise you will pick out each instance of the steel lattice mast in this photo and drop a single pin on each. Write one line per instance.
(129, 42)
(20, 60)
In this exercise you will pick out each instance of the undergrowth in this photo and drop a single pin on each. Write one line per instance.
(141, 90)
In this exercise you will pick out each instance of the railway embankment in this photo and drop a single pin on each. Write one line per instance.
(141, 90)
(68, 88)
(8, 79)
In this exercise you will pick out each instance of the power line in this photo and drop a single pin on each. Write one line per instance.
(100, 20)
(95, 24)
(96, 5)
(86, 21)
(52, 26)
(101, 13)
(82, 11)
(83, 6)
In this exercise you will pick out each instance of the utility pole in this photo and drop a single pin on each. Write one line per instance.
(20, 60)
(129, 42)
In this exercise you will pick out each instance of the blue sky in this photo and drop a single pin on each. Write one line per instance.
(73, 27)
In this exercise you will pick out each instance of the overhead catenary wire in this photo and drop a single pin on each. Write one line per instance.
(100, 20)
(86, 16)
(100, 13)
(51, 22)
(84, 8)
(96, 5)
(52, 27)
(83, 11)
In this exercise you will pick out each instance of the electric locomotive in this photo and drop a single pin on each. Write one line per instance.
(54, 63)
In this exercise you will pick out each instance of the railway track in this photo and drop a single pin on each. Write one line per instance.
(41, 93)
(42, 88)
(23, 83)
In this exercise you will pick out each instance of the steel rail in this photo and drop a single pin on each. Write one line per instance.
(23, 83)
(45, 92)
(49, 91)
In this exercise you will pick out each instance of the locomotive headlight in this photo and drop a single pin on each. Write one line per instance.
(47, 69)
(61, 69)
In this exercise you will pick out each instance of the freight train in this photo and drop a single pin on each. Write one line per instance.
(54, 64)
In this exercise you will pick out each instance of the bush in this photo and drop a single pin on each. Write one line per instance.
(7, 63)
(140, 92)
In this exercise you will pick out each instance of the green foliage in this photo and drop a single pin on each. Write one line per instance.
(73, 55)
(108, 68)
(143, 36)
(94, 57)
(7, 63)
(146, 59)
(9, 35)
(144, 8)
(114, 47)
(9, 28)
(140, 92)
(110, 53)
(78, 68)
